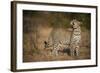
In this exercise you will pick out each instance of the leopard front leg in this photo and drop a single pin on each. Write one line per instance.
(77, 50)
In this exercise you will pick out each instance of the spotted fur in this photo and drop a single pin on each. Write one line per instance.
(75, 38)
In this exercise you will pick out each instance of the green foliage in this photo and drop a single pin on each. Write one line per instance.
(84, 18)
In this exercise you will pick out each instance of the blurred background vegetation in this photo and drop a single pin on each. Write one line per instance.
(53, 19)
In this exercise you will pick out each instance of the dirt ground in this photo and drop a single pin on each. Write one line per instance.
(46, 56)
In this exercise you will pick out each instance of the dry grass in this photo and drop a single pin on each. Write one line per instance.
(43, 55)
(35, 55)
